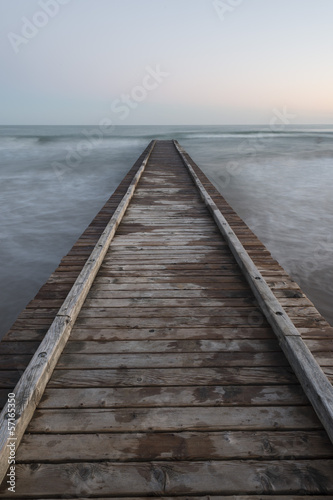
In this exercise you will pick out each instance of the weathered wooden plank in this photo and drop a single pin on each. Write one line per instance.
(163, 333)
(226, 264)
(220, 253)
(237, 395)
(156, 257)
(177, 208)
(206, 300)
(188, 345)
(172, 274)
(288, 302)
(167, 360)
(191, 344)
(302, 311)
(178, 267)
(171, 322)
(164, 312)
(157, 240)
(129, 293)
(15, 361)
(324, 358)
(229, 445)
(172, 376)
(161, 232)
(223, 254)
(275, 284)
(318, 345)
(17, 347)
(152, 312)
(173, 419)
(155, 235)
(165, 478)
(168, 298)
(173, 283)
(180, 249)
(169, 222)
(198, 278)
(165, 346)
(167, 302)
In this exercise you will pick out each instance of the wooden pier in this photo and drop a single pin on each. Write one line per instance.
(169, 355)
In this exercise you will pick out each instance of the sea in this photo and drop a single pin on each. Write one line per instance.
(54, 179)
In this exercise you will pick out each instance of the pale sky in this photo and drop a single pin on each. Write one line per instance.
(165, 61)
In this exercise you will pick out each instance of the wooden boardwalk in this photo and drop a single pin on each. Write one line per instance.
(172, 382)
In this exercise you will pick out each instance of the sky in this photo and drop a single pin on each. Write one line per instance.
(165, 62)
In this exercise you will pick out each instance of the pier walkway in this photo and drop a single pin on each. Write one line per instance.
(176, 360)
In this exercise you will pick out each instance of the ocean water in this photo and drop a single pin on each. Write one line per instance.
(55, 179)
